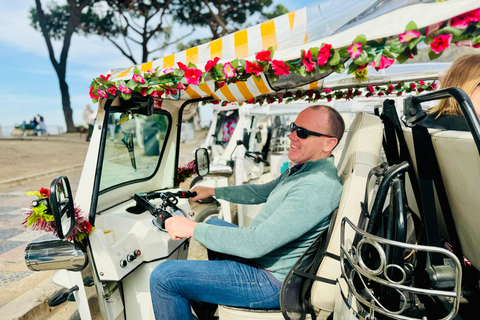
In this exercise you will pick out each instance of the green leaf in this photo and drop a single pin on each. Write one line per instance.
(452, 30)
(302, 71)
(428, 39)
(361, 39)
(411, 26)
(136, 71)
(377, 43)
(257, 78)
(412, 43)
(219, 69)
(397, 47)
(234, 63)
(126, 96)
(377, 58)
(132, 84)
(362, 59)
(191, 65)
(335, 59)
(404, 56)
(272, 50)
(314, 52)
(388, 54)
(344, 52)
(243, 62)
(351, 68)
(339, 68)
(432, 55)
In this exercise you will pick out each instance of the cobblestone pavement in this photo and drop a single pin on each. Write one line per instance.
(15, 277)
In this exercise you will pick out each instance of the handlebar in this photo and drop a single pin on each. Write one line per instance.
(256, 156)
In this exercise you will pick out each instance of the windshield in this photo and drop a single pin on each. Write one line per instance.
(133, 147)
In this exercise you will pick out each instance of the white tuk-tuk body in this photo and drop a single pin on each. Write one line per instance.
(127, 245)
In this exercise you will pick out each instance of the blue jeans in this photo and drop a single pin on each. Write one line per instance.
(234, 282)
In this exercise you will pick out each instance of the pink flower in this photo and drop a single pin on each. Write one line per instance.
(170, 91)
(327, 90)
(211, 63)
(355, 50)
(384, 63)
(464, 43)
(181, 86)
(152, 71)
(280, 68)
(409, 35)
(324, 54)
(192, 76)
(253, 68)
(138, 78)
(124, 89)
(112, 91)
(168, 70)
(228, 70)
(105, 77)
(434, 86)
(220, 84)
(156, 93)
(371, 89)
(441, 43)
(102, 93)
(307, 61)
(264, 55)
(433, 27)
(143, 92)
(92, 95)
(463, 20)
(422, 83)
(182, 66)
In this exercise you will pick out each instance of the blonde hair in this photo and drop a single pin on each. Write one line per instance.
(464, 73)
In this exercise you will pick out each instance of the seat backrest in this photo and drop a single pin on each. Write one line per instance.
(360, 154)
(459, 164)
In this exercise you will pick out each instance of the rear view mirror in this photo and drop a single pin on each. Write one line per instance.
(61, 204)
(202, 161)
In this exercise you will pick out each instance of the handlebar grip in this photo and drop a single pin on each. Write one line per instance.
(186, 194)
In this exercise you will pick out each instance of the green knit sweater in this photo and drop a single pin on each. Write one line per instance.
(297, 209)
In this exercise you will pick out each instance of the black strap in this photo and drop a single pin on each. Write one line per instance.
(314, 277)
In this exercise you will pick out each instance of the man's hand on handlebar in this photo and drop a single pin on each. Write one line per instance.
(179, 227)
(202, 193)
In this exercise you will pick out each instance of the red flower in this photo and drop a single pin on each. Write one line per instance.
(307, 61)
(211, 63)
(413, 86)
(422, 83)
(349, 94)
(182, 66)
(264, 55)
(329, 98)
(384, 63)
(399, 93)
(420, 90)
(221, 83)
(143, 92)
(157, 94)
(253, 68)
(380, 94)
(326, 90)
(390, 89)
(324, 54)
(360, 68)
(271, 100)
(434, 86)
(215, 102)
(193, 75)
(251, 101)
(339, 95)
(441, 43)
(102, 93)
(299, 95)
(170, 91)
(280, 68)
(112, 91)
(92, 95)
(371, 89)
(45, 193)
(310, 93)
(105, 77)
(463, 20)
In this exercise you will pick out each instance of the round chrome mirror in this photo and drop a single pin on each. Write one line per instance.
(202, 161)
(61, 204)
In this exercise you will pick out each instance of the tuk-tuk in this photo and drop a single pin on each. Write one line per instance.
(382, 256)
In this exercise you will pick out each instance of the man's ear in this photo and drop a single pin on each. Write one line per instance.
(332, 142)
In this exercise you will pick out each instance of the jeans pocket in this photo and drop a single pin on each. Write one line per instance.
(273, 302)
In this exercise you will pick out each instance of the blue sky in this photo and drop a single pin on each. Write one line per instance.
(29, 84)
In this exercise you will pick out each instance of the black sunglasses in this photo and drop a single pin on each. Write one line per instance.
(303, 133)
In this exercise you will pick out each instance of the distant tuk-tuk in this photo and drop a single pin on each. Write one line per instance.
(384, 254)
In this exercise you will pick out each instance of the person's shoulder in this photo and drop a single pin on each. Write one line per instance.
(446, 122)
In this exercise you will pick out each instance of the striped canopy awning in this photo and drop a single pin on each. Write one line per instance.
(336, 22)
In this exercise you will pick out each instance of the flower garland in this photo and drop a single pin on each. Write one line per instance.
(462, 30)
(186, 172)
(39, 217)
(398, 89)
